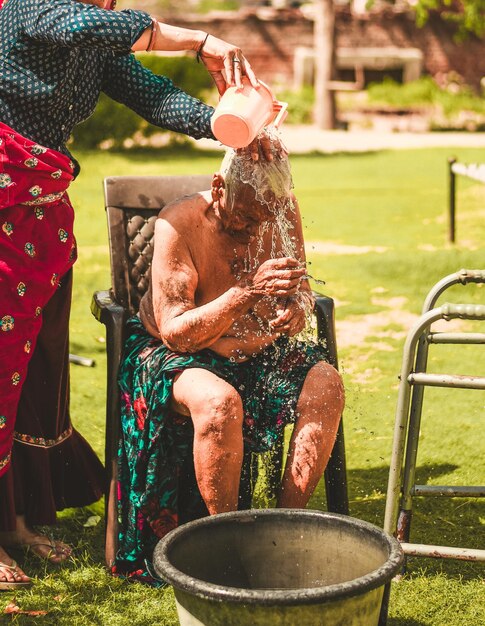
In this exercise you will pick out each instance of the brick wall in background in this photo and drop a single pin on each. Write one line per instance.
(269, 38)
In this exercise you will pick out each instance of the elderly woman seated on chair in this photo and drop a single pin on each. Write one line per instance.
(211, 366)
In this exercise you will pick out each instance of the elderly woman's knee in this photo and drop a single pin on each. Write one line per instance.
(324, 389)
(220, 413)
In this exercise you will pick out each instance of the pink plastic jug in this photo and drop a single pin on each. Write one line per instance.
(242, 113)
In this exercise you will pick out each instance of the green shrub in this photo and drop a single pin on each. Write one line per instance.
(425, 92)
(422, 91)
(115, 122)
(206, 6)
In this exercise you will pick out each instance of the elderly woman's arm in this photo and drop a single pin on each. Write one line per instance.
(185, 327)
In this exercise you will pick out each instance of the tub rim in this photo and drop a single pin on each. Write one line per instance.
(280, 597)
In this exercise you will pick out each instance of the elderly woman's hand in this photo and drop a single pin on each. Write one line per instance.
(290, 318)
(275, 277)
(225, 63)
(268, 145)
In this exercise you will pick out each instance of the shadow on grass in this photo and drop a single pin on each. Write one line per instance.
(435, 520)
(368, 487)
(95, 349)
(404, 622)
(439, 521)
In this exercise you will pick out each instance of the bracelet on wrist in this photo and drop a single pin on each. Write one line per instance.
(153, 35)
(199, 51)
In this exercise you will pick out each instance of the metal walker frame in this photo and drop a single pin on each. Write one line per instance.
(413, 379)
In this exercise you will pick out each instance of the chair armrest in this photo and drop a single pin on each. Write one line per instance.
(104, 307)
(325, 316)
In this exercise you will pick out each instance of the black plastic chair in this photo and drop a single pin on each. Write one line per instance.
(132, 205)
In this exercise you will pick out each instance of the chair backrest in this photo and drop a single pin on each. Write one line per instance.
(132, 205)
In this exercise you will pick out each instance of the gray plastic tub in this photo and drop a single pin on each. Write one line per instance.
(273, 567)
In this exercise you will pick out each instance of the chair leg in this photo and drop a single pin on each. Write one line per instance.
(111, 519)
(336, 471)
(249, 475)
(336, 476)
(275, 468)
(114, 317)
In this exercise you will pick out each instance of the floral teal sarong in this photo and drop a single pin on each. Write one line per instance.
(157, 489)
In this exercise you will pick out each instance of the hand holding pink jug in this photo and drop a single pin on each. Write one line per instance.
(242, 113)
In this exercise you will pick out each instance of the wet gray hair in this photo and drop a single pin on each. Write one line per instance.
(270, 180)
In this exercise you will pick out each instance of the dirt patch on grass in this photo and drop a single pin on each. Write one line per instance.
(374, 332)
(355, 330)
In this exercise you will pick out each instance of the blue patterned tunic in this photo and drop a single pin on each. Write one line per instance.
(56, 56)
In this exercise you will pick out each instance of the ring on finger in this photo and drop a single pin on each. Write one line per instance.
(236, 60)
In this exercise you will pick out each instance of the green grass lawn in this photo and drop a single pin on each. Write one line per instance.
(376, 229)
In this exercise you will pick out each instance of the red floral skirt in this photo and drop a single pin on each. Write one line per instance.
(37, 248)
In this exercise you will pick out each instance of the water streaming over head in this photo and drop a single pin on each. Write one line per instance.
(272, 184)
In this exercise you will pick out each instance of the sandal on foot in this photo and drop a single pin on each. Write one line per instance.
(53, 551)
(8, 585)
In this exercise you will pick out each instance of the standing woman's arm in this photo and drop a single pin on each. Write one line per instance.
(155, 98)
(225, 62)
(78, 24)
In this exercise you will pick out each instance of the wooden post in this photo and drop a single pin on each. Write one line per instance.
(324, 44)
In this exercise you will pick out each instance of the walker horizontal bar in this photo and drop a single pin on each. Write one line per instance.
(447, 380)
(450, 311)
(443, 552)
(457, 338)
(445, 490)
